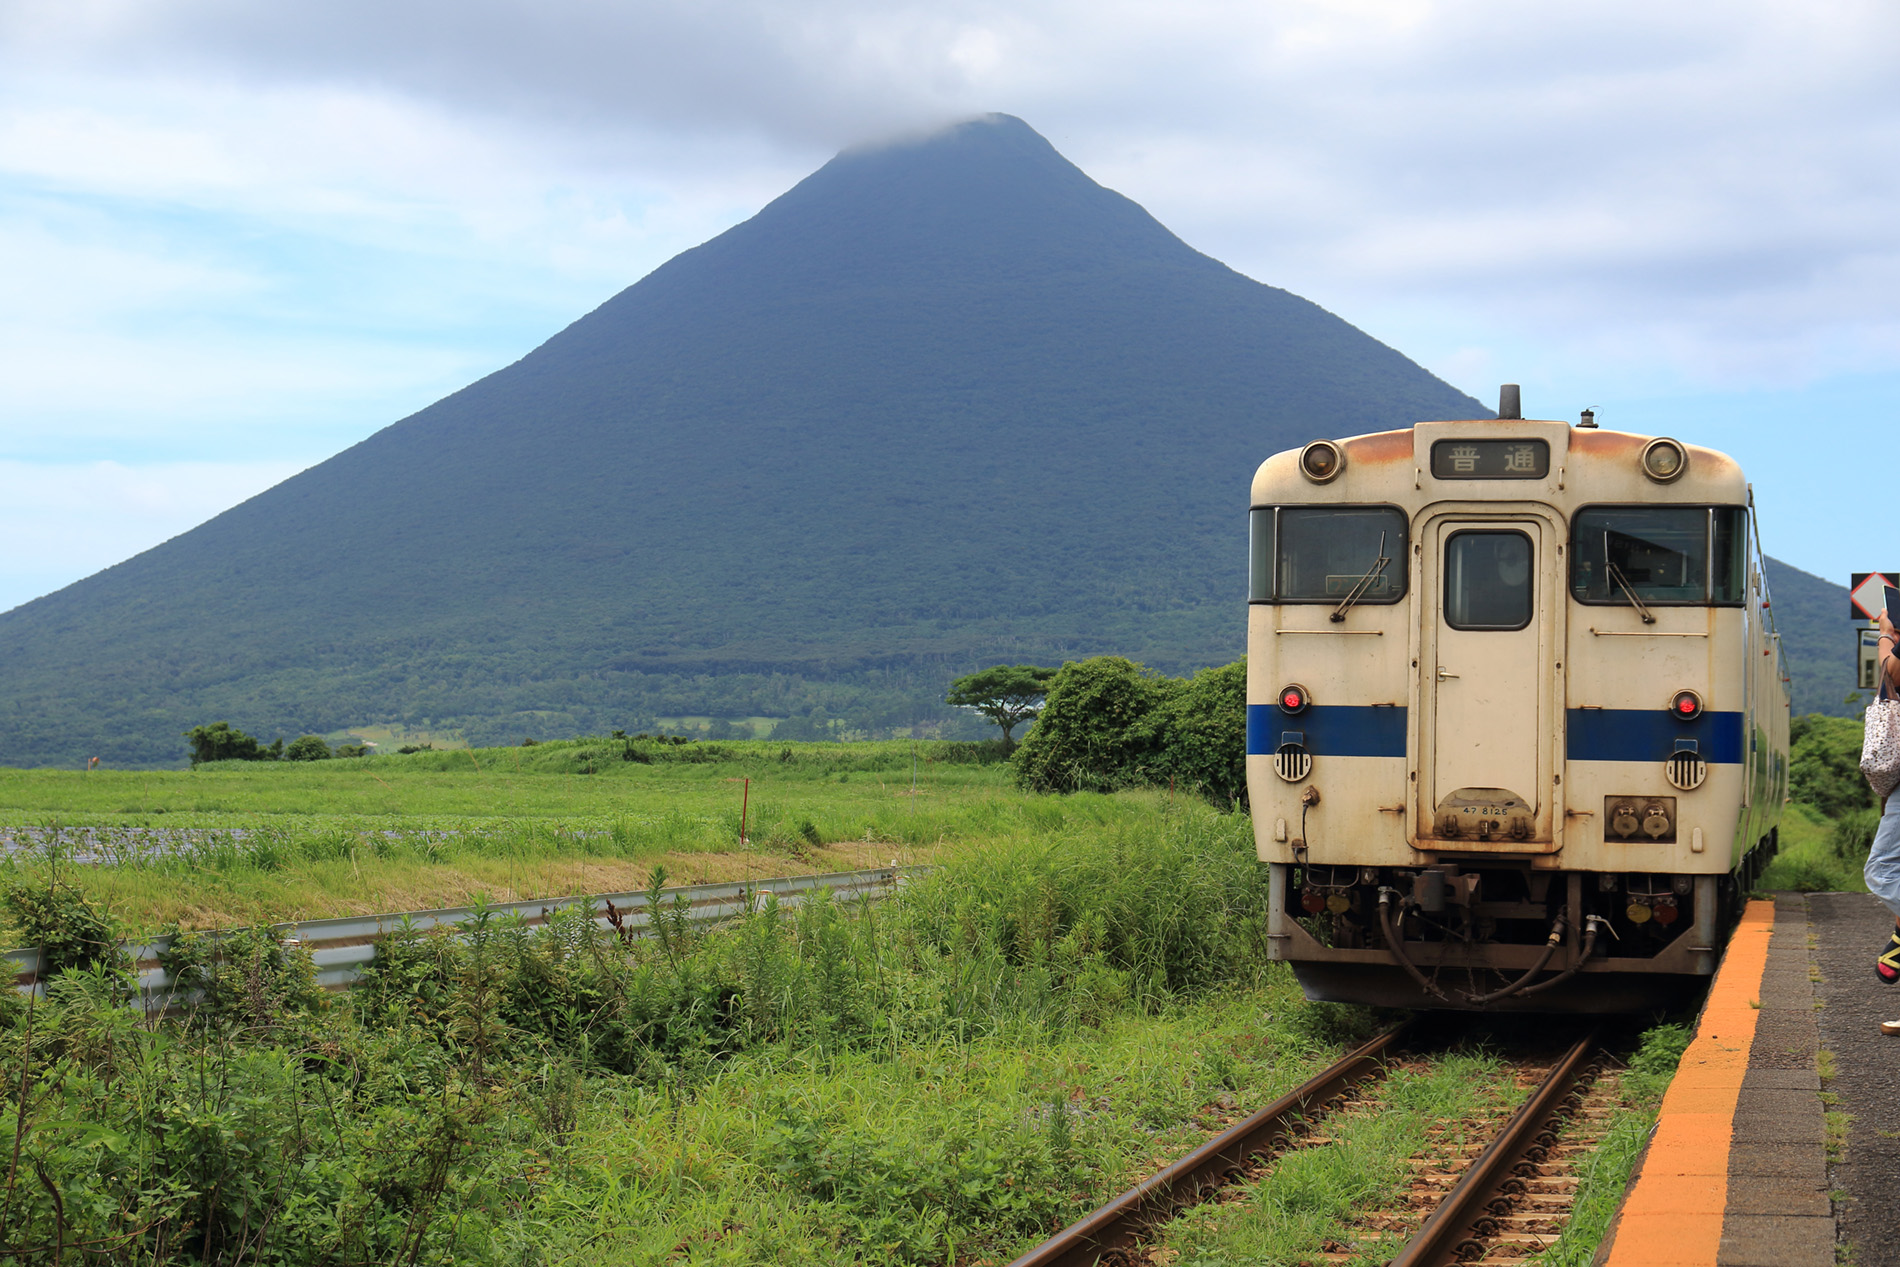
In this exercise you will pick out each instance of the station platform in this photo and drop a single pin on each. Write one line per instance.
(1778, 1142)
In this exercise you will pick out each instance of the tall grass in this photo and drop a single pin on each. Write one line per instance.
(940, 1077)
(1819, 854)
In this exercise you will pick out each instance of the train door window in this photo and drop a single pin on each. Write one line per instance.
(1489, 582)
(1325, 554)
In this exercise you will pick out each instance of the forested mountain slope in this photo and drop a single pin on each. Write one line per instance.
(1817, 636)
(942, 403)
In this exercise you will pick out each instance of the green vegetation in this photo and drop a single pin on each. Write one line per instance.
(940, 1078)
(1007, 694)
(238, 842)
(308, 748)
(219, 742)
(1824, 765)
(1110, 723)
(786, 471)
(1826, 831)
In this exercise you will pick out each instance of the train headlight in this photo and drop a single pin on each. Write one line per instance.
(1293, 699)
(1321, 461)
(1664, 460)
(1638, 913)
(1686, 705)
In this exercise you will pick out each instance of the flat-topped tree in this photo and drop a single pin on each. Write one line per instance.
(1007, 694)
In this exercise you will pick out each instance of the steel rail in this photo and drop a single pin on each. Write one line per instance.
(1121, 1222)
(1458, 1222)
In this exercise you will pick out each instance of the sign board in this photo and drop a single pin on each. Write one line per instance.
(1869, 658)
(1490, 459)
(1864, 593)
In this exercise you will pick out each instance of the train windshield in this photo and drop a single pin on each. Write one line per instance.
(1327, 554)
(1662, 555)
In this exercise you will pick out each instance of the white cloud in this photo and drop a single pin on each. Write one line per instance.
(218, 214)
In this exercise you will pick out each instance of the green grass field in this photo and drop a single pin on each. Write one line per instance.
(246, 842)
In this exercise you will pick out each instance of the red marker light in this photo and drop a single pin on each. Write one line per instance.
(1687, 705)
(1293, 699)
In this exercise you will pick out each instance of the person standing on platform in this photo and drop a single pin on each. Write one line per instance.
(1883, 859)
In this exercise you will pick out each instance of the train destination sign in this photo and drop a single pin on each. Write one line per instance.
(1490, 460)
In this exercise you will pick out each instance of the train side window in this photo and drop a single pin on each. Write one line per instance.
(1728, 557)
(1323, 554)
(1260, 554)
(1662, 555)
(1489, 581)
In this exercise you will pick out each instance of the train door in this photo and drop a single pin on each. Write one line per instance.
(1485, 672)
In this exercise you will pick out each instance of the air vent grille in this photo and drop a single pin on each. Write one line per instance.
(1292, 762)
(1686, 770)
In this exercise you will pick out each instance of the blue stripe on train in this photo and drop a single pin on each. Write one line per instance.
(1329, 730)
(1591, 734)
(1649, 734)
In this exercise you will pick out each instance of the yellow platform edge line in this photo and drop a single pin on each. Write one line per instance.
(1673, 1213)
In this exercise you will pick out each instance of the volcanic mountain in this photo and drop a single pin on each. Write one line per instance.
(944, 402)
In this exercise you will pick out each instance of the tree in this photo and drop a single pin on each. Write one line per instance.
(1824, 765)
(1105, 726)
(1207, 735)
(308, 748)
(1007, 694)
(219, 742)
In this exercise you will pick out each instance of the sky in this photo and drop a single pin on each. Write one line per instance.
(238, 236)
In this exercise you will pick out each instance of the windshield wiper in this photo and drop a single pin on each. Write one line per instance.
(1616, 574)
(1364, 583)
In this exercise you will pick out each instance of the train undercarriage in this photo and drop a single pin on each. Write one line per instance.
(1497, 934)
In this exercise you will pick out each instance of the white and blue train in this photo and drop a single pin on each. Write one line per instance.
(1517, 720)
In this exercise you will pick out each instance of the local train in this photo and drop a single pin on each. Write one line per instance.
(1517, 713)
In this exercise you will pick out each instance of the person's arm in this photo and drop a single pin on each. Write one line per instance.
(1889, 660)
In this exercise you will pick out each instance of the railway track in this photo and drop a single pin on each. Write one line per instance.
(1481, 1191)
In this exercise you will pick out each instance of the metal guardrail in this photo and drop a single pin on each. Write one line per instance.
(341, 947)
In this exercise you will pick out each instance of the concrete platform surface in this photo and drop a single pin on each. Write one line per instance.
(1737, 1173)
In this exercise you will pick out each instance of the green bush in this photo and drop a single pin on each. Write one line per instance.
(1109, 723)
(1104, 725)
(1853, 835)
(69, 929)
(219, 742)
(307, 748)
(1824, 764)
(246, 978)
(1207, 735)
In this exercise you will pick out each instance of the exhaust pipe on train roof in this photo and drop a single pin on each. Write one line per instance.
(1509, 405)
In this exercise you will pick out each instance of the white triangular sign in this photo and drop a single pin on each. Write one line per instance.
(1869, 596)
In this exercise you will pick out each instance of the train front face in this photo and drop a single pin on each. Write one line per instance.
(1516, 721)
